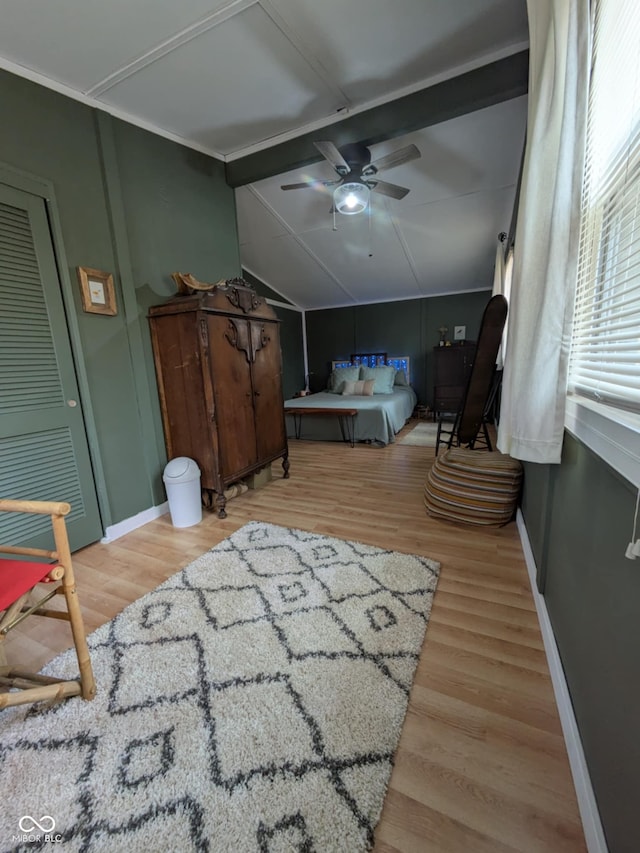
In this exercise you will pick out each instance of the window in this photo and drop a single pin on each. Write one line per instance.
(507, 278)
(605, 350)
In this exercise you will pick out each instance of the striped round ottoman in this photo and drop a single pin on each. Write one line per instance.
(473, 487)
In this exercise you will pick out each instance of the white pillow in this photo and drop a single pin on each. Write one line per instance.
(359, 388)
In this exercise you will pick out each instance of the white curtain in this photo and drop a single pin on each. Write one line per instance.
(547, 232)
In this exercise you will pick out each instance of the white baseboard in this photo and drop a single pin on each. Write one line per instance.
(115, 531)
(592, 826)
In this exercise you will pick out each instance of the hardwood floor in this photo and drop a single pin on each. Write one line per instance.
(482, 765)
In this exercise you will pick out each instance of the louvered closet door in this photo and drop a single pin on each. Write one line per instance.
(43, 445)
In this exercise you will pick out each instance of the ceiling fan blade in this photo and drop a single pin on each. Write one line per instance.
(330, 153)
(395, 158)
(304, 184)
(385, 188)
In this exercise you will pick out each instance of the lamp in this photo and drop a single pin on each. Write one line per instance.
(351, 198)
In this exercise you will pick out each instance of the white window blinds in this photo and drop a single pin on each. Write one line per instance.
(605, 352)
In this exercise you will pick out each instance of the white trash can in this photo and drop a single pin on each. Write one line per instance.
(182, 481)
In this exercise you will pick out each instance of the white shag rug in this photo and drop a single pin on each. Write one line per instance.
(423, 434)
(252, 702)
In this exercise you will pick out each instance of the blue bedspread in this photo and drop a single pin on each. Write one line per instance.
(378, 420)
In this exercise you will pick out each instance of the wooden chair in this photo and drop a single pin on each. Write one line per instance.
(18, 579)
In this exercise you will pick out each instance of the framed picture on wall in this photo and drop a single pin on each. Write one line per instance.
(98, 292)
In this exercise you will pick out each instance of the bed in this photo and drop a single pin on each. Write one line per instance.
(380, 416)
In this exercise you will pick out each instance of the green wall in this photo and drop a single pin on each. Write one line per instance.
(398, 328)
(178, 215)
(138, 206)
(291, 343)
(579, 518)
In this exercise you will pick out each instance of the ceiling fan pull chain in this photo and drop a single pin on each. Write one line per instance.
(370, 237)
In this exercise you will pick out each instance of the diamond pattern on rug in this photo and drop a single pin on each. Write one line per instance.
(260, 725)
(252, 702)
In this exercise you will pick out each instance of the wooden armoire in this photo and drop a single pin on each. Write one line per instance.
(452, 367)
(219, 371)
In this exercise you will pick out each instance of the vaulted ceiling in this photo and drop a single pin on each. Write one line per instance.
(254, 82)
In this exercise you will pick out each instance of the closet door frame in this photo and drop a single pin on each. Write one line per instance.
(38, 186)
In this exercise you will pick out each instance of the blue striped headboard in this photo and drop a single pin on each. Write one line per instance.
(373, 359)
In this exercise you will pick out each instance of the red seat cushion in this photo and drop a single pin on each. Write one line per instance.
(18, 577)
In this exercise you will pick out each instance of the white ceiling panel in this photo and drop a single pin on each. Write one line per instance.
(79, 43)
(421, 38)
(369, 265)
(255, 218)
(292, 277)
(476, 151)
(233, 107)
(454, 242)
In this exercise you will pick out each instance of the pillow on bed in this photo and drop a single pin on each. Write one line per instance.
(383, 377)
(340, 375)
(400, 378)
(361, 388)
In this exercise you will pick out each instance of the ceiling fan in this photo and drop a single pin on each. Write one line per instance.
(358, 175)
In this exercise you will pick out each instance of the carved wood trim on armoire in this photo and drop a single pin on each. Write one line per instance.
(219, 370)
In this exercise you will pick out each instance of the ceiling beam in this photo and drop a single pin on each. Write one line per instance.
(490, 84)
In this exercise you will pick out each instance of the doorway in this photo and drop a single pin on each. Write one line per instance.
(44, 452)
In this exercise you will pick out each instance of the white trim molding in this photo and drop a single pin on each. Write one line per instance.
(115, 531)
(612, 434)
(287, 305)
(591, 824)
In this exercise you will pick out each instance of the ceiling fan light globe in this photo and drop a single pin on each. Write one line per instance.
(351, 198)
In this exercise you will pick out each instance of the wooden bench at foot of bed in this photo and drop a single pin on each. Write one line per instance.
(346, 419)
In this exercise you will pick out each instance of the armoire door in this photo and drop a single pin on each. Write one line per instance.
(230, 366)
(267, 388)
(44, 453)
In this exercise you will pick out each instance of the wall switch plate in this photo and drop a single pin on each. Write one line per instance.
(459, 333)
